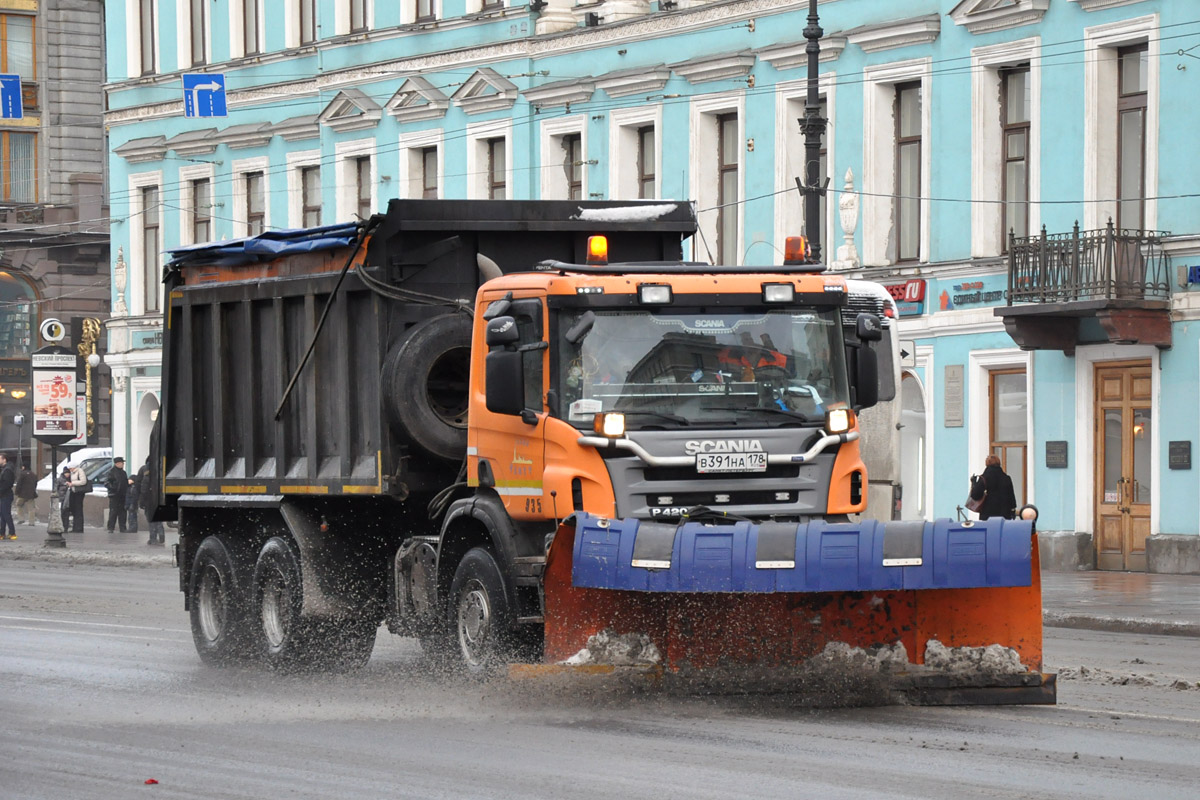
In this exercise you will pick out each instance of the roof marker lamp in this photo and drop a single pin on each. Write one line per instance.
(597, 250)
(610, 424)
(795, 250)
(654, 294)
(778, 293)
(838, 420)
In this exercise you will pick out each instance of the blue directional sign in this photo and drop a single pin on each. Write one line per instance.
(203, 95)
(11, 105)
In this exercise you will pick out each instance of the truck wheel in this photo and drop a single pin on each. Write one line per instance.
(479, 614)
(279, 598)
(220, 625)
(425, 381)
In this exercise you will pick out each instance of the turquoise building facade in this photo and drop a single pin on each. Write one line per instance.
(958, 130)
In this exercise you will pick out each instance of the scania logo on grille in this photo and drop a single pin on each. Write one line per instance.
(696, 446)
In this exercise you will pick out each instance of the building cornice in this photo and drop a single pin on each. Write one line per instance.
(1100, 5)
(350, 110)
(720, 67)
(977, 16)
(900, 33)
(560, 93)
(791, 54)
(640, 80)
(417, 99)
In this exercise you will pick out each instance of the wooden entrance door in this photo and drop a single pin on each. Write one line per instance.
(1124, 430)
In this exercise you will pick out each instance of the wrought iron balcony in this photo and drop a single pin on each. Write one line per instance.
(1109, 264)
(1116, 277)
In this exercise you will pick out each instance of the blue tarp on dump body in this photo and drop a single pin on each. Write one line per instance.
(265, 246)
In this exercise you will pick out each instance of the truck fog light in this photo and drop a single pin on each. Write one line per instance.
(654, 294)
(838, 420)
(778, 292)
(609, 424)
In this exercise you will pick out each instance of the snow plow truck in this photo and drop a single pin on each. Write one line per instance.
(520, 429)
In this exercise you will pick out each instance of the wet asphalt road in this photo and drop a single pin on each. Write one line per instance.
(100, 690)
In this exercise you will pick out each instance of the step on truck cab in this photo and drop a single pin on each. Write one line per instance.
(508, 426)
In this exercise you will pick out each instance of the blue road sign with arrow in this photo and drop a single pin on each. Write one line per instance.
(11, 105)
(203, 95)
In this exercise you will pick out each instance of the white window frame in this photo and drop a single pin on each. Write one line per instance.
(411, 146)
(476, 6)
(982, 362)
(237, 26)
(241, 222)
(879, 157)
(987, 141)
(291, 24)
(408, 11)
(553, 179)
(346, 155)
(341, 12)
(478, 134)
(183, 11)
(136, 298)
(1100, 73)
(133, 11)
(790, 98)
(186, 216)
(295, 162)
(702, 171)
(623, 150)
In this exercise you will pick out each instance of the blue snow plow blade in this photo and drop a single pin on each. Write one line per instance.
(638, 555)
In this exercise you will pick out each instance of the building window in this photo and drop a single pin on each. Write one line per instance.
(308, 21)
(310, 197)
(572, 145)
(251, 24)
(362, 183)
(727, 188)
(256, 203)
(201, 210)
(496, 189)
(17, 320)
(358, 16)
(152, 277)
(1008, 429)
(425, 10)
(1132, 71)
(1014, 122)
(429, 183)
(18, 163)
(488, 5)
(645, 163)
(16, 46)
(199, 20)
(908, 171)
(146, 33)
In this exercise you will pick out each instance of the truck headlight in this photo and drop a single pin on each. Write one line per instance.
(610, 424)
(838, 420)
(654, 294)
(778, 292)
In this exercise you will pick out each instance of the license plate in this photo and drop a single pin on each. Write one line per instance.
(731, 462)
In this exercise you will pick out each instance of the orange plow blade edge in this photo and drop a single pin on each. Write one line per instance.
(774, 634)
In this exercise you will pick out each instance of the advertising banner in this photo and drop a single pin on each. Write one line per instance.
(55, 411)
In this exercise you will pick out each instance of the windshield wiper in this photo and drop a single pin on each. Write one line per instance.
(768, 410)
(657, 415)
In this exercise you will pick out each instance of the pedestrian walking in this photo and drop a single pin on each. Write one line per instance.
(995, 491)
(26, 497)
(117, 484)
(7, 480)
(80, 486)
(131, 505)
(62, 488)
(145, 501)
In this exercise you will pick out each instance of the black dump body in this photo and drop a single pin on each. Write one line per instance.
(241, 318)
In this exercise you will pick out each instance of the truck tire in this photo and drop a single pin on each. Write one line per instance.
(288, 641)
(425, 382)
(479, 615)
(221, 627)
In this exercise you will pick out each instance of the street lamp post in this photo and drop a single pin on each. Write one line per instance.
(19, 421)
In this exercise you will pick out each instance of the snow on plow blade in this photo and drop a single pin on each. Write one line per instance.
(768, 599)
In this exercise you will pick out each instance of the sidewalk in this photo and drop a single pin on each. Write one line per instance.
(1134, 602)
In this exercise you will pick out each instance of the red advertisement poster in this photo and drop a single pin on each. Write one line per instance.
(54, 408)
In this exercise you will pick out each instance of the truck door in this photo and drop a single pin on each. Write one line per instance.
(510, 449)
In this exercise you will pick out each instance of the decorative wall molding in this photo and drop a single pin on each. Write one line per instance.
(350, 110)
(791, 55)
(560, 93)
(1100, 5)
(193, 143)
(985, 16)
(417, 99)
(639, 80)
(296, 128)
(147, 148)
(486, 90)
(901, 33)
(715, 68)
(253, 134)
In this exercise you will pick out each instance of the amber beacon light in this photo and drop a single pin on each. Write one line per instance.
(597, 250)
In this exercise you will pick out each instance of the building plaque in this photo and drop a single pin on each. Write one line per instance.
(1179, 455)
(953, 394)
(1056, 455)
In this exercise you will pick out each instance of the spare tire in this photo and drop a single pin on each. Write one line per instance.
(425, 383)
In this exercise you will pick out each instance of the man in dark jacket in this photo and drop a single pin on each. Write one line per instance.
(117, 484)
(7, 478)
(145, 501)
(27, 496)
(995, 488)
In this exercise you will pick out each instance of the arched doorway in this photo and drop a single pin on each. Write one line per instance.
(912, 447)
(139, 446)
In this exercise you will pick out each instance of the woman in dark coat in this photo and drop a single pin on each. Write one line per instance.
(1001, 500)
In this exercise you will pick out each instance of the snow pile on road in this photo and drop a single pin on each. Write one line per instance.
(994, 659)
(880, 659)
(619, 650)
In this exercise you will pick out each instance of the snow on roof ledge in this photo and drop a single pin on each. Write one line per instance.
(640, 213)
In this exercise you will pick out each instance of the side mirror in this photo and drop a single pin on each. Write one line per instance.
(868, 328)
(581, 327)
(866, 376)
(504, 381)
(501, 331)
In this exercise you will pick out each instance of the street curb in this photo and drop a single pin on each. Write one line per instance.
(87, 557)
(1056, 619)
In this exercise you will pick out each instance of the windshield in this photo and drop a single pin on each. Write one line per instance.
(667, 368)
